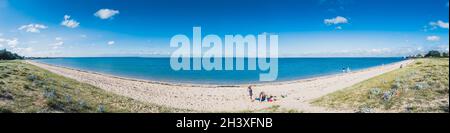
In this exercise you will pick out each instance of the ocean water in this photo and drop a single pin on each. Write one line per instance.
(158, 69)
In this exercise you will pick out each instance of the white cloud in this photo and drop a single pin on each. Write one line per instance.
(71, 23)
(337, 20)
(440, 24)
(375, 52)
(24, 50)
(442, 48)
(57, 45)
(339, 28)
(433, 38)
(111, 42)
(33, 28)
(58, 38)
(29, 49)
(106, 13)
(13, 43)
(10, 42)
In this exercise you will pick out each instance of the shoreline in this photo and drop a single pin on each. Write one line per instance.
(185, 84)
(229, 98)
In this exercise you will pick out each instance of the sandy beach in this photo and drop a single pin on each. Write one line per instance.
(209, 98)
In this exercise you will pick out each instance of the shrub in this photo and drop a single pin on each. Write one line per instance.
(420, 86)
(37, 83)
(68, 98)
(27, 87)
(445, 108)
(3, 110)
(410, 109)
(54, 104)
(396, 85)
(64, 85)
(374, 92)
(31, 77)
(4, 75)
(388, 95)
(364, 109)
(101, 109)
(6, 95)
(292, 111)
(50, 93)
(51, 99)
(82, 104)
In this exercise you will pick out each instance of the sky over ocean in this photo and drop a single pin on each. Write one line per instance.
(307, 28)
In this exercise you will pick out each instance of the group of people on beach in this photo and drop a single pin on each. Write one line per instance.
(262, 97)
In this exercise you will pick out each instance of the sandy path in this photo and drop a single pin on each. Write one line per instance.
(225, 99)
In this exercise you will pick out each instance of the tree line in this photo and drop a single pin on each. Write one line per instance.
(431, 54)
(7, 55)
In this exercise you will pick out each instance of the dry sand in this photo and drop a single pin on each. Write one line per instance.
(210, 98)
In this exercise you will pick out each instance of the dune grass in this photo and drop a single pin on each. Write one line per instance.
(271, 109)
(25, 88)
(420, 87)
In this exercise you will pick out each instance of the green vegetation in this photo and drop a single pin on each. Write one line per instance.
(431, 54)
(420, 87)
(272, 109)
(6, 55)
(26, 88)
(434, 53)
(277, 109)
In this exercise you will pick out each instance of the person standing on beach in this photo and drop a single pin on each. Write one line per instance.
(250, 92)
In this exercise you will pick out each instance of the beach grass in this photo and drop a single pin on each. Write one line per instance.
(271, 109)
(277, 109)
(25, 88)
(422, 86)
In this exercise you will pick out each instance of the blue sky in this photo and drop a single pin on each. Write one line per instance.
(316, 28)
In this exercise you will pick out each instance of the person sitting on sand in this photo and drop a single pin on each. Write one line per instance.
(271, 99)
(262, 96)
(250, 92)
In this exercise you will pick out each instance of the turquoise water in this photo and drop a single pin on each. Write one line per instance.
(158, 69)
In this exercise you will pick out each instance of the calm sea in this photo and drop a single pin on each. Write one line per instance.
(158, 69)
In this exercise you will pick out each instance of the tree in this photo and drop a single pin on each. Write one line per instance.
(445, 54)
(433, 53)
(6, 55)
